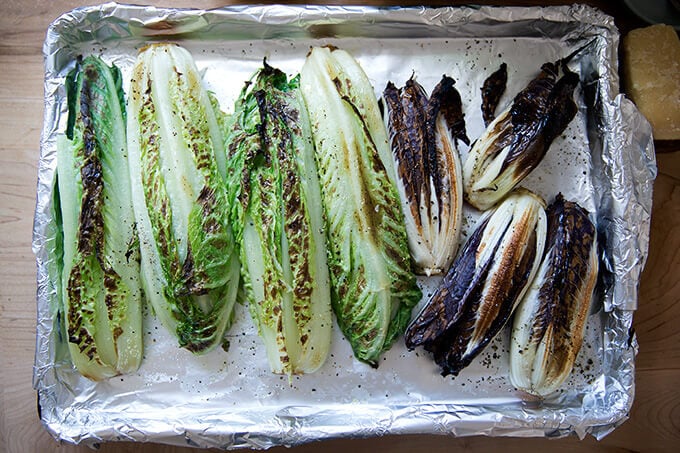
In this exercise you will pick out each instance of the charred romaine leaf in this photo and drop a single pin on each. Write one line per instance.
(518, 139)
(373, 288)
(190, 261)
(484, 284)
(277, 218)
(423, 135)
(550, 321)
(100, 285)
(492, 90)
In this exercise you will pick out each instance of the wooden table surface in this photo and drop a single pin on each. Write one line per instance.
(654, 423)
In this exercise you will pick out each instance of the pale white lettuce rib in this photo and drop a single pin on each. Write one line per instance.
(153, 278)
(313, 354)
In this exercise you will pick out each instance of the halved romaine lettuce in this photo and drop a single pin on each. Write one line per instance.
(99, 284)
(277, 219)
(190, 264)
(373, 286)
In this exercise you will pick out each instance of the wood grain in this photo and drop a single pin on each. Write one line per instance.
(656, 320)
(654, 423)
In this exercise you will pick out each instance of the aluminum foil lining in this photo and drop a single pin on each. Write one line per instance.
(605, 160)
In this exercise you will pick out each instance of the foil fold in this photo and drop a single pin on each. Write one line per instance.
(614, 152)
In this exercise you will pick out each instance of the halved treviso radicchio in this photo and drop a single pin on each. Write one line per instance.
(516, 141)
(550, 321)
(424, 134)
(485, 283)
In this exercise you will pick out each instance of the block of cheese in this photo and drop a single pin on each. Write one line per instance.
(652, 77)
